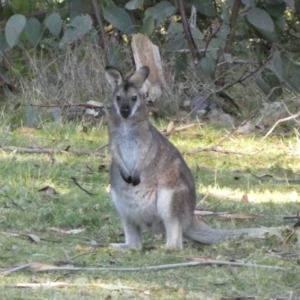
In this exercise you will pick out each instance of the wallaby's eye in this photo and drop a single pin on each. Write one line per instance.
(133, 98)
(118, 98)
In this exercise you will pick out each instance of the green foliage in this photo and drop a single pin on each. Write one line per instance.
(33, 31)
(54, 23)
(79, 26)
(219, 37)
(119, 18)
(13, 28)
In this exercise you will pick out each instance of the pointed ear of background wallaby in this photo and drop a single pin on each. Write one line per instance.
(139, 76)
(113, 76)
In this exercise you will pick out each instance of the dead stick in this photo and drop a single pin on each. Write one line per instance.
(294, 116)
(34, 267)
(82, 188)
(51, 151)
(13, 201)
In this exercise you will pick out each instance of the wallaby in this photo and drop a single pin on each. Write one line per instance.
(152, 188)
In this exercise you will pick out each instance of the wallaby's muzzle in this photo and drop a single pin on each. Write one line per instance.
(125, 111)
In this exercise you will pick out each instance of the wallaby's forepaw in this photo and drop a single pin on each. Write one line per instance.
(126, 177)
(124, 246)
(135, 179)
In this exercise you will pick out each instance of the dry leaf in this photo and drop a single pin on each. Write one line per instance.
(245, 198)
(34, 238)
(71, 231)
(170, 127)
(50, 191)
(25, 130)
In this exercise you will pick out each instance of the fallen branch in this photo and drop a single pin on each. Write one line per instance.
(179, 128)
(40, 267)
(82, 188)
(218, 150)
(56, 284)
(13, 201)
(52, 151)
(294, 116)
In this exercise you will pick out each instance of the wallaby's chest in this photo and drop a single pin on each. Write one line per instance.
(128, 146)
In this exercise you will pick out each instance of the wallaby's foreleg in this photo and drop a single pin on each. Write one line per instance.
(133, 236)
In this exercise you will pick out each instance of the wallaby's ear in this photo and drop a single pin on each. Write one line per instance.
(140, 76)
(113, 76)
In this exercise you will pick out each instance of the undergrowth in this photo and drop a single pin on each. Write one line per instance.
(222, 181)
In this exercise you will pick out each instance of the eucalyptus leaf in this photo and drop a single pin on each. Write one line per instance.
(13, 28)
(33, 31)
(208, 65)
(290, 3)
(268, 82)
(54, 23)
(279, 24)
(77, 29)
(197, 34)
(119, 18)
(260, 19)
(176, 44)
(174, 30)
(276, 65)
(160, 11)
(276, 10)
(77, 7)
(134, 4)
(205, 7)
(148, 26)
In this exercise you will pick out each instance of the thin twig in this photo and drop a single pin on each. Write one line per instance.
(82, 188)
(38, 267)
(294, 116)
(12, 201)
(109, 287)
(15, 269)
(52, 151)
(79, 255)
(179, 128)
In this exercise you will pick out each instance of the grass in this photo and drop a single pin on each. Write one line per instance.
(222, 178)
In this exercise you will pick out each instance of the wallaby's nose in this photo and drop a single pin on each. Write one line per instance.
(125, 111)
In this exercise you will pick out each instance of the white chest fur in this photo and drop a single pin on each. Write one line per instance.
(127, 145)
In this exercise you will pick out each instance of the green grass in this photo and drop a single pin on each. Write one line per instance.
(222, 178)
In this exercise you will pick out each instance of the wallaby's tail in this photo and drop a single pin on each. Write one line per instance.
(201, 232)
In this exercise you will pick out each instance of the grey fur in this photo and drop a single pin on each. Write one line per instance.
(152, 188)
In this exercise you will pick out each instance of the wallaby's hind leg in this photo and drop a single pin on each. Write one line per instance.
(133, 237)
(171, 222)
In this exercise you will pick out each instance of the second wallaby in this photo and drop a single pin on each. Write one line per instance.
(152, 188)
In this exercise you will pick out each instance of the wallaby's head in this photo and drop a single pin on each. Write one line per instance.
(127, 95)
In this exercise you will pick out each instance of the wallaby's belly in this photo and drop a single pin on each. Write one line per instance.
(139, 205)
